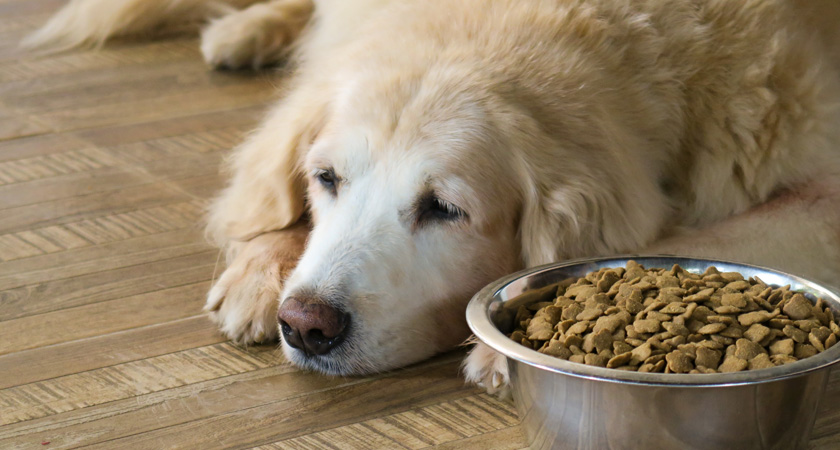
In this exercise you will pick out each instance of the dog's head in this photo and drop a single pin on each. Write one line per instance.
(427, 179)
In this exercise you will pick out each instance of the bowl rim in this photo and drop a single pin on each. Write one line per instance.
(479, 321)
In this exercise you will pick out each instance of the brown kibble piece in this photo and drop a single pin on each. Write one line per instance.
(607, 280)
(578, 328)
(557, 349)
(798, 307)
(830, 341)
(736, 300)
(747, 349)
(673, 308)
(757, 332)
(591, 359)
(646, 325)
(610, 323)
(782, 347)
(761, 361)
(641, 353)
(733, 364)
(590, 313)
(570, 312)
(795, 333)
(707, 357)
(734, 332)
(815, 341)
(756, 317)
(603, 340)
(619, 360)
(738, 285)
(712, 328)
(621, 347)
(802, 351)
(679, 362)
(782, 359)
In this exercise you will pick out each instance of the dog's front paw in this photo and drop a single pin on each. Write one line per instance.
(254, 37)
(244, 300)
(244, 306)
(488, 369)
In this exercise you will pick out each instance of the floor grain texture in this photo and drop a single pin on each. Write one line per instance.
(107, 159)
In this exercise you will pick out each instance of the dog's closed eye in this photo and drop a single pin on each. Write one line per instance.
(430, 209)
(327, 179)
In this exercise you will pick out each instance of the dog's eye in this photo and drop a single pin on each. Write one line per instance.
(434, 209)
(327, 179)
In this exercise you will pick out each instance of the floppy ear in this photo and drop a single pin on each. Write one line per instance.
(585, 199)
(267, 189)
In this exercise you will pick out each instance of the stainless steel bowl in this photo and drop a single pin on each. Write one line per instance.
(565, 405)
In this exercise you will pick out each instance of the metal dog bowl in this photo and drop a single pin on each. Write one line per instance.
(565, 405)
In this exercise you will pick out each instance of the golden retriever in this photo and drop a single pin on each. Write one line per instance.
(441, 144)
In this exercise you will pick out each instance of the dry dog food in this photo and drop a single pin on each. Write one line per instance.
(672, 321)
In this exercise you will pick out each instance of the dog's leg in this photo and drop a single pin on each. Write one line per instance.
(244, 300)
(256, 36)
(91, 22)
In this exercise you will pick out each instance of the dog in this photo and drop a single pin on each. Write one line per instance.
(436, 146)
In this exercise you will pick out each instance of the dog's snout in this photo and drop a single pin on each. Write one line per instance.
(310, 325)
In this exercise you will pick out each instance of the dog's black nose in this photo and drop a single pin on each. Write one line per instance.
(311, 325)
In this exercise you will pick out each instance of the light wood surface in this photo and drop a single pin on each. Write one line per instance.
(107, 159)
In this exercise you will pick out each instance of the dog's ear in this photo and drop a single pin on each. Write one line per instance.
(584, 200)
(267, 188)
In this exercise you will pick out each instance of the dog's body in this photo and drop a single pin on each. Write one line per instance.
(445, 144)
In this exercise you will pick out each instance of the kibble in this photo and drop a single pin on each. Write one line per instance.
(672, 321)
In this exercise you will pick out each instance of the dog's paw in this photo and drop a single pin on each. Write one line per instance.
(244, 300)
(488, 369)
(254, 37)
(244, 306)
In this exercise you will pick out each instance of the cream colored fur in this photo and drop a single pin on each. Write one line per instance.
(560, 128)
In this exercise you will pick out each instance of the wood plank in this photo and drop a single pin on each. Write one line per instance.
(115, 136)
(106, 285)
(109, 384)
(453, 421)
(118, 85)
(100, 230)
(68, 210)
(124, 253)
(125, 419)
(506, 439)
(108, 350)
(54, 186)
(15, 125)
(294, 416)
(34, 146)
(151, 106)
(102, 318)
(58, 164)
(64, 65)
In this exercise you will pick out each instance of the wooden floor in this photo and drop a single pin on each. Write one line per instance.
(107, 159)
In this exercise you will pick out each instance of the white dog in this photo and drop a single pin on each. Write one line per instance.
(441, 144)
